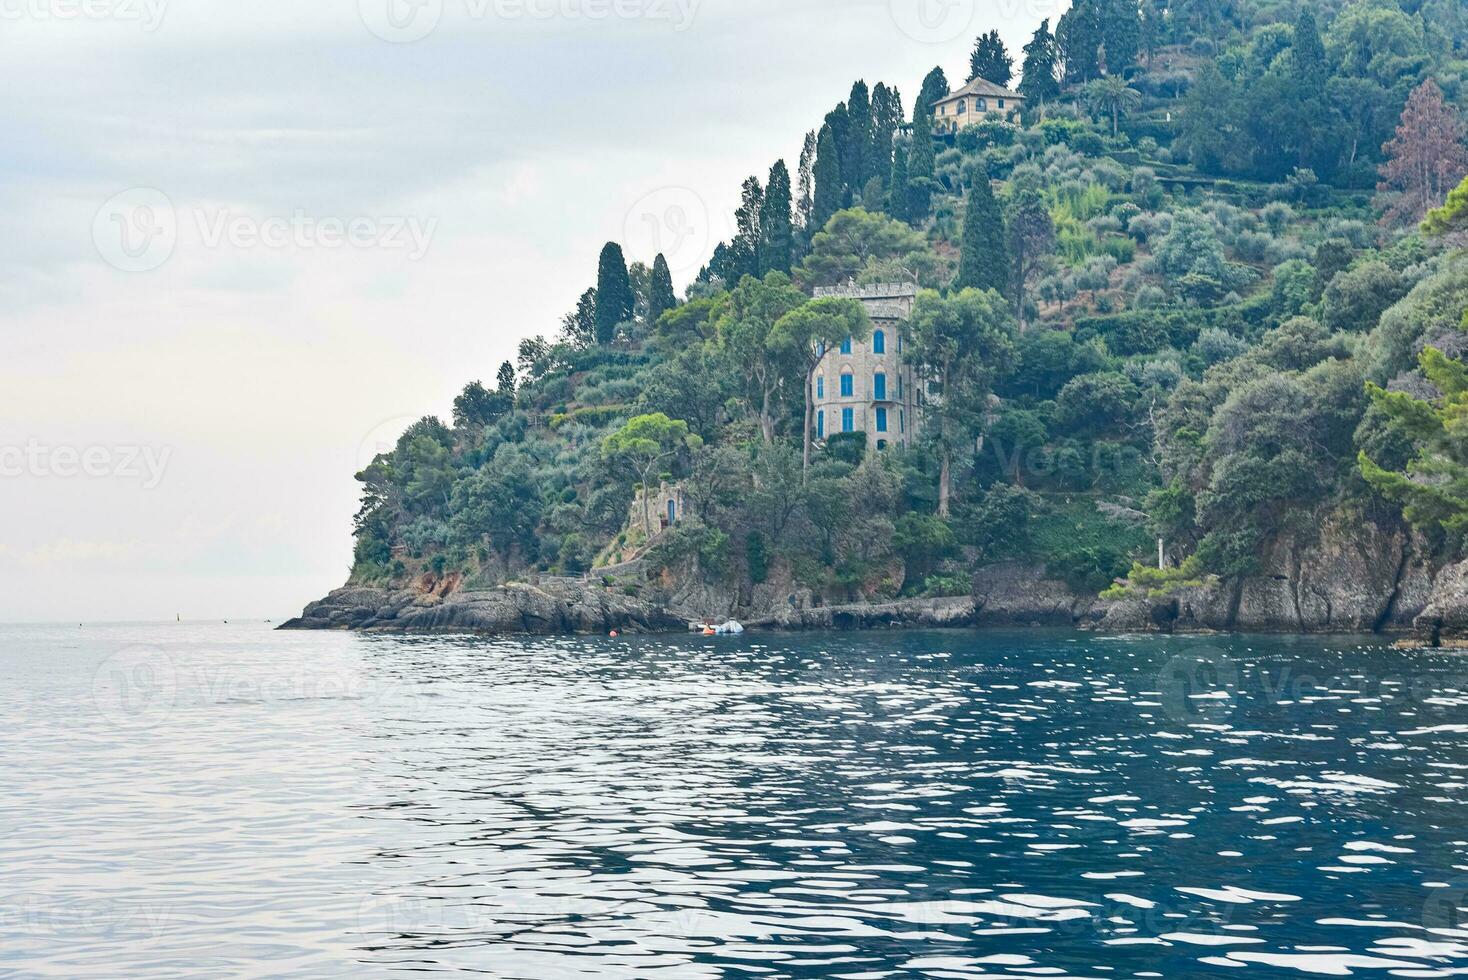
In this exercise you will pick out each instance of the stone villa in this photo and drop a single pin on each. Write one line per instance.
(980, 99)
(865, 386)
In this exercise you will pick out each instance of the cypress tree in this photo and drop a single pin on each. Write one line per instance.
(614, 299)
(506, 379)
(776, 223)
(984, 263)
(660, 295)
(1121, 33)
(920, 166)
(935, 87)
(839, 119)
(828, 180)
(898, 188)
(857, 156)
(991, 60)
(1309, 52)
(887, 115)
(1039, 83)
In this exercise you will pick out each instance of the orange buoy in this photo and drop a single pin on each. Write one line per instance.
(614, 634)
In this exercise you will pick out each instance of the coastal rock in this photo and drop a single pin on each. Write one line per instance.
(1445, 616)
(1014, 594)
(550, 608)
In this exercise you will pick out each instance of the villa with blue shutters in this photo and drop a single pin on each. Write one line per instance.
(867, 386)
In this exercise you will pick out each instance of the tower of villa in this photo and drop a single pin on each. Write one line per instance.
(867, 385)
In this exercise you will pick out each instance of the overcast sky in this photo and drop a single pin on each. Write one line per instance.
(249, 242)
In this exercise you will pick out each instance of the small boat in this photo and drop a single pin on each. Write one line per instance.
(731, 628)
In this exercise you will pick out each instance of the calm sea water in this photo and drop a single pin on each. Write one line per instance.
(227, 801)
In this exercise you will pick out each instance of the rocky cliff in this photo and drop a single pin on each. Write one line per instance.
(1346, 575)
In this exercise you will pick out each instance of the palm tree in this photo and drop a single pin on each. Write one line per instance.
(1112, 95)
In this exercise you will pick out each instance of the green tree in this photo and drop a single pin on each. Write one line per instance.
(899, 190)
(984, 261)
(1031, 236)
(660, 295)
(614, 299)
(887, 117)
(477, 407)
(641, 446)
(1112, 96)
(1121, 34)
(828, 182)
(856, 241)
(1434, 490)
(1038, 82)
(991, 60)
(920, 168)
(506, 379)
(776, 223)
(856, 156)
(744, 321)
(935, 88)
(802, 338)
(578, 328)
(1310, 67)
(960, 344)
(1452, 217)
(1078, 38)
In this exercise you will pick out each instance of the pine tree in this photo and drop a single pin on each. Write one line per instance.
(776, 224)
(898, 190)
(827, 180)
(1426, 159)
(920, 167)
(984, 262)
(935, 87)
(744, 250)
(856, 157)
(614, 299)
(1309, 54)
(660, 295)
(991, 60)
(1039, 83)
(506, 378)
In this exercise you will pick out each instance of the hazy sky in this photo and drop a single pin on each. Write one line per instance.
(248, 242)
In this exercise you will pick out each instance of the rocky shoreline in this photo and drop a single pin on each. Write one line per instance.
(1347, 575)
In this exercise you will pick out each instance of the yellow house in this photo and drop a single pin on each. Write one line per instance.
(980, 99)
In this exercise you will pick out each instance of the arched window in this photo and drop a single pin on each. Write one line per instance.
(820, 386)
(848, 420)
(901, 421)
(962, 107)
(879, 387)
(881, 420)
(820, 425)
(982, 105)
(846, 346)
(879, 342)
(848, 386)
(899, 387)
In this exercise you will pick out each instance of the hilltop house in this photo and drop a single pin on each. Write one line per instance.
(980, 99)
(865, 386)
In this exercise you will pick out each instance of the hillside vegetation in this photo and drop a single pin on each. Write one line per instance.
(1188, 296)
